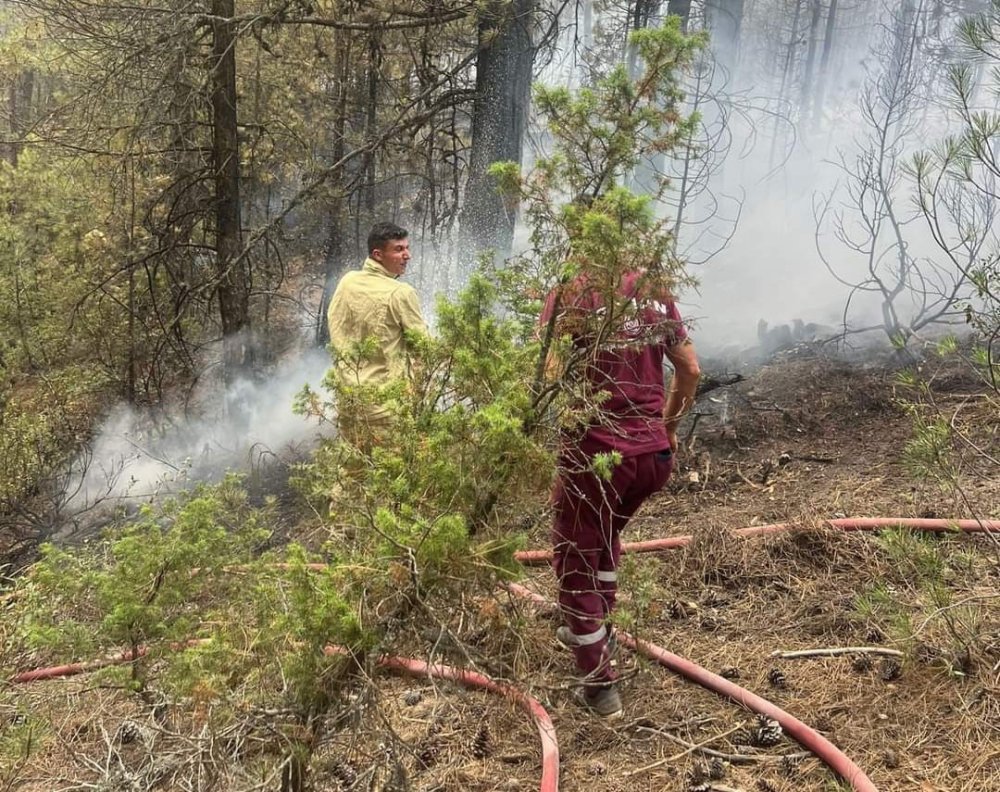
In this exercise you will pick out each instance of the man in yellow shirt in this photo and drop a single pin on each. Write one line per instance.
(369, 315)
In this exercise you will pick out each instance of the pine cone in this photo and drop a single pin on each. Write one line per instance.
(745, 737)
(776, 678)
(874, 635)
(678, 609)
(345, 774)
(790, 765)
(730, 672)
(700, 772)
(697, 774)
(482, 744)
(128, 732)
(891, 669)
(437, 725)
(766, 786)
(430, 751)
(927, 654)
(862, 663)
(767, 732)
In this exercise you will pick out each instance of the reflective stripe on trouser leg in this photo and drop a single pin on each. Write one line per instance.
(607, 576)
(590, 638)
(583, 544)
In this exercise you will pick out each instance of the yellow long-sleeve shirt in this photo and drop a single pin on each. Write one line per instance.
(371, 304)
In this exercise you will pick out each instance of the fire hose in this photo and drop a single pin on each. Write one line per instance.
(808, 738)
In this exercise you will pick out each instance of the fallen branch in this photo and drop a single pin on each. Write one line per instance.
(835, 651)
(689, 748)
(710, 382)
(825, 460)
(732, 758)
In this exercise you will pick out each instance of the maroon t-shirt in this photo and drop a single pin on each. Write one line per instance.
(628, 367)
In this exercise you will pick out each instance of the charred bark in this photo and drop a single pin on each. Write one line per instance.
(681, 8)
(806, 93)
(725, 19)
(824, 65)
(499, 115)
(335, 250)
(232, 286)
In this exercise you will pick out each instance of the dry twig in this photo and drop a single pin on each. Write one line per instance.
(689, 748)
(835, 651)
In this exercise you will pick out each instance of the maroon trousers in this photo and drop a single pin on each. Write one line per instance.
(590, 514)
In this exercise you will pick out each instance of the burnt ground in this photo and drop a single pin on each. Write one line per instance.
(799, 441)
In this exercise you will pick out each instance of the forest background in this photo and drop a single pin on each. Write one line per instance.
(184, 183)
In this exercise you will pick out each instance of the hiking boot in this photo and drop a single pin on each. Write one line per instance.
(603, 701)
(567, 640)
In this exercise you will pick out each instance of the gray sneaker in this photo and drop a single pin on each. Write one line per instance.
(603, 701)
(566, 639)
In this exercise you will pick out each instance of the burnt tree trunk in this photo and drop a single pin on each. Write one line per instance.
(725, 19)
(793, 45)
(231, 272)
(824, 64)
(371, 120)
(499, 115)
(642, 14)
(806, 93)
(681, 8)
(334, 251)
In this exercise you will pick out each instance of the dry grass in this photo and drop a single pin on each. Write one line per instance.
(724, 602)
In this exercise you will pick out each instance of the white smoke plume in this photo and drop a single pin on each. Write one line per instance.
(135, 456)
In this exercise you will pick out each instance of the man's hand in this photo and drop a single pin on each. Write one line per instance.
(683, 386)
(672, 437)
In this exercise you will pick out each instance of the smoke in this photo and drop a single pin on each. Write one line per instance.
(808, 161)
(137, 455)
(783, 123)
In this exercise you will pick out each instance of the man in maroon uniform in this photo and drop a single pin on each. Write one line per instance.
(622, 342)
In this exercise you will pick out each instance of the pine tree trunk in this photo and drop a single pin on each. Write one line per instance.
(806, 93)
(371, 121)
(681, 8)
(499, 115)
(646, 177)
(642, 14)
(335, 253)
(232, 287)
(824, 64)
(793, 45)
(725, 18)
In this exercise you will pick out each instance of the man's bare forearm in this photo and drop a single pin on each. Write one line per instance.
(680, 399)
(683, 387)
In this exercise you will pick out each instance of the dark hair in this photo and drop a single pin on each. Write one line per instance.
(382, 233)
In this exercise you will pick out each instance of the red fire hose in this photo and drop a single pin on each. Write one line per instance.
(400, 665)
(805, 736)
(546, 731)
(808, 738)
(534, 557)
(72, 669)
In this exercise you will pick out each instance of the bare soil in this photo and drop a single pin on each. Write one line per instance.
(801, 441)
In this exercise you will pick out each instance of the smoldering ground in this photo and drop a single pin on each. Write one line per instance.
(137, 456)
